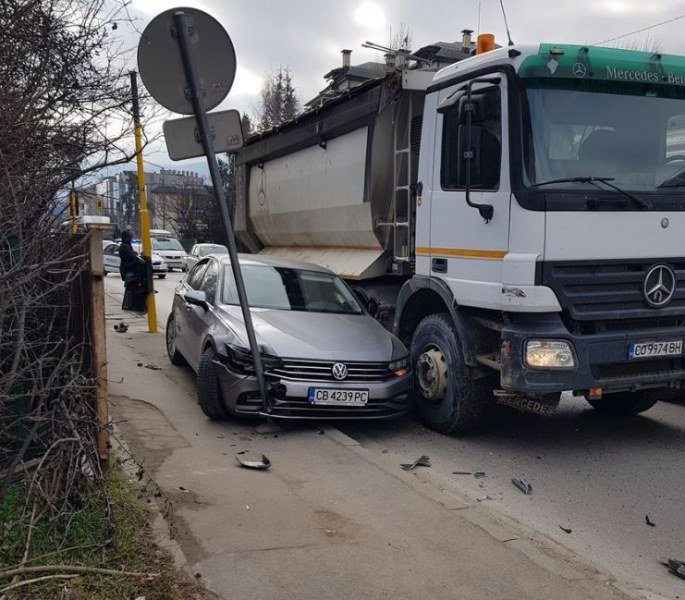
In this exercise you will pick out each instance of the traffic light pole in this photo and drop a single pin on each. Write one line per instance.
(144, 214)
(190, 68)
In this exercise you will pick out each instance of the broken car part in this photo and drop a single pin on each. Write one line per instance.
(260, 465)
(421, 461)
(523, 485)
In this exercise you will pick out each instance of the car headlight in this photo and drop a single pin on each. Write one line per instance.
(550, 354)
(399, 367)
(240, 360)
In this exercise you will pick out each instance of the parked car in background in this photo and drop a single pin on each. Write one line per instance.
(324, 356)
(199, 251)
(111, 260)
(170, 249)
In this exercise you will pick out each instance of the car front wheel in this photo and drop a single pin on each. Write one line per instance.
(175, 356)
(208, 390)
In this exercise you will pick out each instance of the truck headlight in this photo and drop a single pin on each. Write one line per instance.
(549, 354)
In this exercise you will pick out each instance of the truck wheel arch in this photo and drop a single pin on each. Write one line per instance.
(423, 296)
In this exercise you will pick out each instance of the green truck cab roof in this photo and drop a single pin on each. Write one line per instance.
(566, 61)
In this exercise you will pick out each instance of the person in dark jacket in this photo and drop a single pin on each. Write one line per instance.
(132, 270)
(127, 255)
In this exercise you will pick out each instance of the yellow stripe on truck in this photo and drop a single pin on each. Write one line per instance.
(461, 252)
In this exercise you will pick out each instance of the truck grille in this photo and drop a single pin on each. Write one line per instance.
(602, 293)
(311, 370)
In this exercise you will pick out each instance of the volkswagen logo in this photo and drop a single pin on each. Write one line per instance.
(339, 371)
(659, 286)
(579, 70)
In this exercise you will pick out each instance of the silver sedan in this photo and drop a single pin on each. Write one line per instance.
(324, 357)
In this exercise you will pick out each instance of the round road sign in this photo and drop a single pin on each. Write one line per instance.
(161, 66)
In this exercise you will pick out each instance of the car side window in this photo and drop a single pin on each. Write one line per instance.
(209, 281)
(195, 276)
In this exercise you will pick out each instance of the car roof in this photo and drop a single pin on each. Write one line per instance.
(272, 261)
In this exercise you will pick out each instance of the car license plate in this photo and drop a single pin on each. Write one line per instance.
(655, 349)
(338, 397)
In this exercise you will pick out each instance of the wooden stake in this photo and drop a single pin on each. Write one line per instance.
(99, 342)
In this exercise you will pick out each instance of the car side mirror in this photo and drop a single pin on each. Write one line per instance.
(196, 298)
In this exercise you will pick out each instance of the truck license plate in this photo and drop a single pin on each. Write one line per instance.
(655, 349)
(338, 397)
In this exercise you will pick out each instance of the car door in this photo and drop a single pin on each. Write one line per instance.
(110, 258)
(182, 309)
(199, 319)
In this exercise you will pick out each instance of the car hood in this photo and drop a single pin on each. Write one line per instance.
(316, 336)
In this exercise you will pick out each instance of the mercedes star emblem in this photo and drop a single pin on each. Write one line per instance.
(339, 371)
(659, 286)
(579, 70)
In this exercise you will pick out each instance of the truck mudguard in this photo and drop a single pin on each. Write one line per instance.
(464, 325)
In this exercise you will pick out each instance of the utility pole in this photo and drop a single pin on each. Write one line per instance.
(73, 209)
(144, 215)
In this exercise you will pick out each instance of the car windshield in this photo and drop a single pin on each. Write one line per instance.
(212, 249)
(285, 288)
(166, 244)
(630, 133)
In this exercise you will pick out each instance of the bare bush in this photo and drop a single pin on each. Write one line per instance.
(65, 112)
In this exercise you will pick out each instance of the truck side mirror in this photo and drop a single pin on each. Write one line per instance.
(475, 146)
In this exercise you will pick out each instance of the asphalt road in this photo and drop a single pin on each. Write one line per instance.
(596, 475)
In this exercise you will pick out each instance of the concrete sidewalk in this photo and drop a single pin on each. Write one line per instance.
(330, 519)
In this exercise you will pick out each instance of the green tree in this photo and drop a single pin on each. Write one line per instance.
(279, 102)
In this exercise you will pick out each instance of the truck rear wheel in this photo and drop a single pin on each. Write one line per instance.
(625, 403)
(446, 398)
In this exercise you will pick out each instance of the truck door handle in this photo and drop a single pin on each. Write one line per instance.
(439, 265)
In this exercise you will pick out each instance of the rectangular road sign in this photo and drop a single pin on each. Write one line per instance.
(183, 135)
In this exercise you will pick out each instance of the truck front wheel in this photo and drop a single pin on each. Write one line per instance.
(625, 403)
(446, 398)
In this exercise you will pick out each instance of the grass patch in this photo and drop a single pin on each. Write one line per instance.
(88, 540)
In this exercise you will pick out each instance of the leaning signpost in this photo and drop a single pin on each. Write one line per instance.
(187, 63)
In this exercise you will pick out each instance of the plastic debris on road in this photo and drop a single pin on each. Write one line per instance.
(649, 521)
(421, 461)
(260, 465)
(523, 485)
(480, 474)
(121, 327)
(677, 567)
(565, 529)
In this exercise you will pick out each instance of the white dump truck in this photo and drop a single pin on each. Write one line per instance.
(517, 219)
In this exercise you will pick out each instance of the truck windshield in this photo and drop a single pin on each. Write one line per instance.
(291, 289)
(632, 134)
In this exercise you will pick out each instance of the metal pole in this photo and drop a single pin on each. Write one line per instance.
(73, 209)
(144, 215)
(201, 117)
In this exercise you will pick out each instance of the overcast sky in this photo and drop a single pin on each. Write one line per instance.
(308, 35)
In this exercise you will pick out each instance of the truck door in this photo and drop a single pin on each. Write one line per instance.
(466, 250)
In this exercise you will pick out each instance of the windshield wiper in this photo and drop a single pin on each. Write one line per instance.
(594, 181)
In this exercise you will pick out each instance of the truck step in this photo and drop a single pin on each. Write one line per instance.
(494, 360)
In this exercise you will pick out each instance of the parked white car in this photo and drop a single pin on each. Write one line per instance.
(111, 260)
(199, 251)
